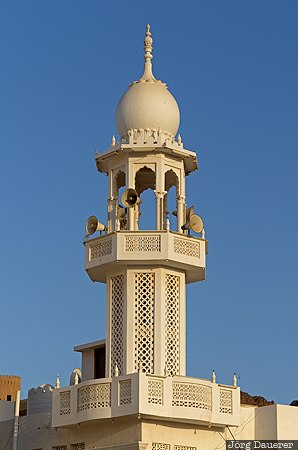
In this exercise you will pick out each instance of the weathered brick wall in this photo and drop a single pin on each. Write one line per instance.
(9, 385)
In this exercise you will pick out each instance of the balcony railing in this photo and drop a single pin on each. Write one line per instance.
(176, 398)
(155, 247)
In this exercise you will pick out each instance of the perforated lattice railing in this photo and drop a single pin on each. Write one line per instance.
(64, 403)
(125, 392)
(142, 243)
(79, 446)
(172, 324)
(99, 249)
(155, 392)
(184, 447)
(225, 401)
(94, 396)
(185, 247)
(160, 446)
(159, 394)
(191, 395)
(144, 321)
(117, 328)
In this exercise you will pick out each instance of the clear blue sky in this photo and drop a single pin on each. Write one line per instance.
(233, 68)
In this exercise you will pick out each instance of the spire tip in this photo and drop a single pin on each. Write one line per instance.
(148, 75)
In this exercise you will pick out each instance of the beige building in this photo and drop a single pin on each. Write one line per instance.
(132, 391)
(9, 385)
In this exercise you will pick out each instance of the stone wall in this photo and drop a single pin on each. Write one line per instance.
(9, 385)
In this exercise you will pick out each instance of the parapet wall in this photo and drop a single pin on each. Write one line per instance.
(9, 385)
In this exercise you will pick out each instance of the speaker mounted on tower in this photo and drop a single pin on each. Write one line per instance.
(195, 223)
(93, 225)
(122, 217)
(130, 198)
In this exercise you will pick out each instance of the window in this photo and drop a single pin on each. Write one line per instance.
(99, 362)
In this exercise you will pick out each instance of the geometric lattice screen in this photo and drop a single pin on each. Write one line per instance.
(117, 328)
(144, 287)
(172, 324)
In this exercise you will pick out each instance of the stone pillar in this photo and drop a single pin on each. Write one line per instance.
(136, 217)
(112, 207)
(131, 218)
(159, 195)
(181, 217)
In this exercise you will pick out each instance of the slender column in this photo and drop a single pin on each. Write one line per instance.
(130, 183)
(159, 195)
(165, 211)
(131, 218)
(136, 216)
(112, 202)
(16, 421)
(181, 218)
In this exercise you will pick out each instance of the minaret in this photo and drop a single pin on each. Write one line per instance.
(144, 397)
(146, 271)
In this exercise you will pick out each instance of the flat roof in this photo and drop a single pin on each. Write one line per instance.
(89, 345)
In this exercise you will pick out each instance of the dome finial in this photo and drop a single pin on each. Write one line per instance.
(148, 75)
(148, 44)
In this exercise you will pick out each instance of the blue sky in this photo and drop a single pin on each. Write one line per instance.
(232, 66)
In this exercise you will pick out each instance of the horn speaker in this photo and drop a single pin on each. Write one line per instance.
(130, 198)
(194, 223)
(93, 225)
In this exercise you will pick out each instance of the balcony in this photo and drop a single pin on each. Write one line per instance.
(130, 248)
(180, 399)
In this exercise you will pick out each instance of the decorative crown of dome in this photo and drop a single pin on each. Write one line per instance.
(147, 104)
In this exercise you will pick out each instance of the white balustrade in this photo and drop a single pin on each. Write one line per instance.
(153, 247)
(178, 398)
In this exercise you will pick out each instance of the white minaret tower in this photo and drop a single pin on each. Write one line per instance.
(144, 400)
(146, 271)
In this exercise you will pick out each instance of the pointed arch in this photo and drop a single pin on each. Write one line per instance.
(145, 179)
(119, 181)
(171, 179)
(170, 199)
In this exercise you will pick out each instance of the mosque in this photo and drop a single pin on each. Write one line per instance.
(132, 391)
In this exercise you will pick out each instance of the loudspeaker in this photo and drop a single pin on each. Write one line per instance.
(92, 225)
(195, 223)
(121, 215)
(130, 198)
(189, 212)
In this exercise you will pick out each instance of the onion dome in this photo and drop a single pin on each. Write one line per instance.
(147, 104)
